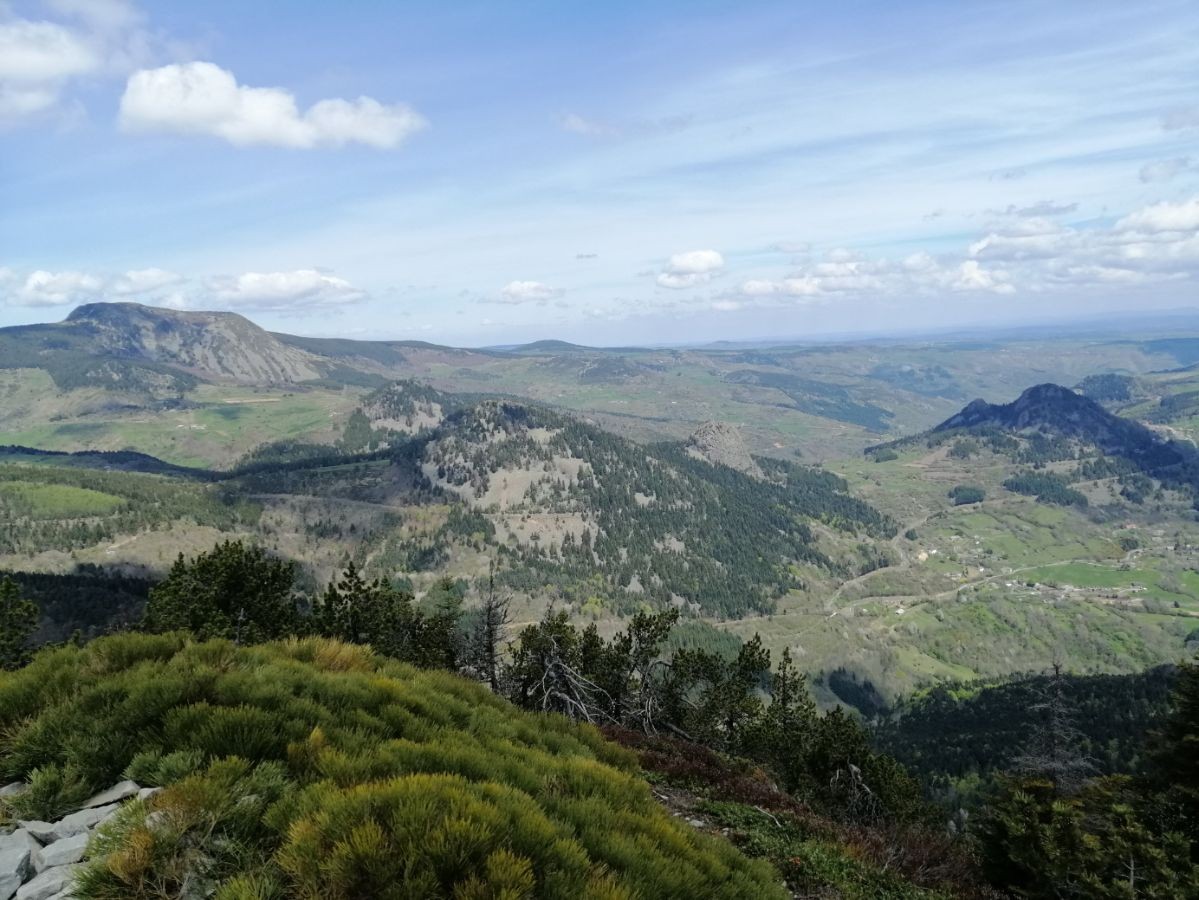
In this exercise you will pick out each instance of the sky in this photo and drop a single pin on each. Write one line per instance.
(610, 173)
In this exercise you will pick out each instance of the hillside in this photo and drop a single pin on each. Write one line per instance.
(311, 768)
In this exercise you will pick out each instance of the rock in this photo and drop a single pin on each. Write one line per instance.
(61, 853)
(20, 839)
(11, 790)
(42, 831)
(722, 445)
(146, 793)
(81, 821)
(49, 884)
(15, 867)
(114, 794)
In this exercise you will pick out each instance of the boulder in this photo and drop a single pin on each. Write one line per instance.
(15, 867)
(114, 794)
(20, 839)
(80, 821)
(146, 793)
(48, 884)
(61, 853)
(43, 831)
(11, 790)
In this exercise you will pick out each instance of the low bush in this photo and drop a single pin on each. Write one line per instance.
(312, 768)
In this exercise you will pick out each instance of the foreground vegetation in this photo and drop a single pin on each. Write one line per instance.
(312, 768)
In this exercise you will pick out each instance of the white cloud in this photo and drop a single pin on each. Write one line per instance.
(684, 270)
(34, 53)
(1165, 169)
(971, 276)
(42, 288)
(144, 281)
(1156, 244)
(1164, 216)
(284, 291)
(36, 61)
(39, 60)
(528, 292)
(106, 15)
(203, 98)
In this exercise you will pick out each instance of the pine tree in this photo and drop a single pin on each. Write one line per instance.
(1176, 751)
(18, 619)
(488, 633)
(234, 591)
(1054, 753)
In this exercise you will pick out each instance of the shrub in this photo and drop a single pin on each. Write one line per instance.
(310, 768)
(966, 493)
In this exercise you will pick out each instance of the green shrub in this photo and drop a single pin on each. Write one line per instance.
(311, 768)
(963, 494)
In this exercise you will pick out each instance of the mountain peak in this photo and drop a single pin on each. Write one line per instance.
(1058, 409)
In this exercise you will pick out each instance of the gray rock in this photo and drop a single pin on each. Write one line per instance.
(81, 821)
(114, 794)
(20, 839)
(43, 831)
(61, 853)
(15, 867)
(146, 793)
(11, 790)
(50, 883)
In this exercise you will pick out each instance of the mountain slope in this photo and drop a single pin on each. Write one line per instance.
(580, 505)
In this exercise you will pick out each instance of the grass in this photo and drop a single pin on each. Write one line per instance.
(55, 501)
(222, 424)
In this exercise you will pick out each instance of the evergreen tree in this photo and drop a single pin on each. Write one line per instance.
(18, 619)
(487, 632)
(1176, 751)
(235, 591)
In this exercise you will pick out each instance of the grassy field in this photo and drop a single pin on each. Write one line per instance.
(55, 501)
(217, 425)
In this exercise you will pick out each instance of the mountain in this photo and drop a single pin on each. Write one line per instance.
(146, 349)
(219, 345)
(130, 347)
(598, 516)
(1053, 409)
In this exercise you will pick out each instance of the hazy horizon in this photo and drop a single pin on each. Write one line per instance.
(631, 174)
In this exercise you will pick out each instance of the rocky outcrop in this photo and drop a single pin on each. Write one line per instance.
(39, 860)
(722, 445)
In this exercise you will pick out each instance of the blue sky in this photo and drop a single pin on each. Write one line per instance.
(478, 173)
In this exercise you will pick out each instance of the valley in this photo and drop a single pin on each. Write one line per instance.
(788, 492)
